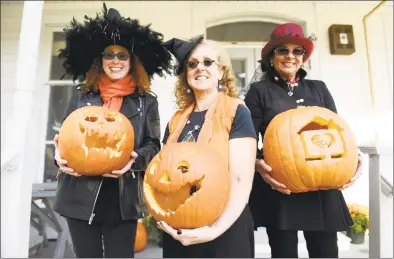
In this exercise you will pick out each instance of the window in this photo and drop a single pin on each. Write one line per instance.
(239, 68)
(241, 32)
(60, 95)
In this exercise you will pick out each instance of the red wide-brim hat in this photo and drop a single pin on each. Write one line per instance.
(284, 34)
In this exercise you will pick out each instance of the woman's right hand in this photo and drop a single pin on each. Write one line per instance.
(264, 170)
(61, 162)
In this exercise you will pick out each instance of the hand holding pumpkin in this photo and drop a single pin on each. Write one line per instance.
(189, 236)
(264, 170)
(61, 162)
(117, 173)
(356, 175)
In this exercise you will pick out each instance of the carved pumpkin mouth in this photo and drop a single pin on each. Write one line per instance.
(168, 197)
(322, 139)
(100, 136)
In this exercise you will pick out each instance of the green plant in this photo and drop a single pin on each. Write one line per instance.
(154, 234)
(360, 216)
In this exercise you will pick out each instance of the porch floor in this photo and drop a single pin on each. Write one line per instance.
(262, 250)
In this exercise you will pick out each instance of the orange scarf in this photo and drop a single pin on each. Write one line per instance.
(112, 92)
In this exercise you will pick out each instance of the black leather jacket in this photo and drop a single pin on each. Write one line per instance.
(76, 196)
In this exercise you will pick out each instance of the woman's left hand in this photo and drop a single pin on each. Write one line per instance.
(189, 236)
(355, 176)
(117, 173)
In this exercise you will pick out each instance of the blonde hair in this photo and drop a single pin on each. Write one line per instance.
(228, 81)
(137, 70)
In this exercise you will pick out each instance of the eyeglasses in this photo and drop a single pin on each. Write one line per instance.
(109, 55)
(282, 51)
(194, 63)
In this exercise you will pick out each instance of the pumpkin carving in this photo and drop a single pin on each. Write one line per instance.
(141, 237)
(309, 149)
(186, 185)
(95, 140)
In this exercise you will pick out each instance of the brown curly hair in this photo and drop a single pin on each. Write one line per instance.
(140, 76)
(228, 81)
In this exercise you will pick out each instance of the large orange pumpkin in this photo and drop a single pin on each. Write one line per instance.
(186, 185)
(95, 140)
(309, 149)
(141, 237)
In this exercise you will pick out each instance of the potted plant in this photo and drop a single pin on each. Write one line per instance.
(360, 216)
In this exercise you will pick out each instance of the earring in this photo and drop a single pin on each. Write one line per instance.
(188, 91)
(220, 85)
(272, 64)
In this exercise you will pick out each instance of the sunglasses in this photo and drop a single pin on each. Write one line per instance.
(109, 55)
(194, 63)
(282, 51)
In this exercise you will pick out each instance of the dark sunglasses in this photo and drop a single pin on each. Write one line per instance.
(109, 55)
(282, 51)
(194, 63)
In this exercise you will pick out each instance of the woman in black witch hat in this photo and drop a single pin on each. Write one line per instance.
(116, 57)
(210, 113)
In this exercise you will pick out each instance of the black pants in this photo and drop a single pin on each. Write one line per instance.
(96, 241)
(320, 244)
(236, 242)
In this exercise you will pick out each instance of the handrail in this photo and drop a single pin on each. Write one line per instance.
(386, 187)
(374, 201)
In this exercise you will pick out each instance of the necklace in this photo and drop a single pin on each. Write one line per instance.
(189, 135)
(291, 85)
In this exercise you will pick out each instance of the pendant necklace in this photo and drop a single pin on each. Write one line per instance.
(291, 85)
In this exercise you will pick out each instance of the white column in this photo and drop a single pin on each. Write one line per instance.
(16, 178)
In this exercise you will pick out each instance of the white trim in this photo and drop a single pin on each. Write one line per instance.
(236, 45)
(253, 17)
(61, 83)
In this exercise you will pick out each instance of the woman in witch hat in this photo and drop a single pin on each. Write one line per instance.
(210, 113)
(116, 57)
(319, 214)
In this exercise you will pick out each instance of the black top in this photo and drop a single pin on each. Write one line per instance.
(241, 127)
(122, 198)
(318, 210)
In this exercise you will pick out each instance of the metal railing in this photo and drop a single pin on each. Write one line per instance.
(377, 184)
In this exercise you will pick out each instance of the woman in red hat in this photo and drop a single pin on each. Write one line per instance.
(319, 214)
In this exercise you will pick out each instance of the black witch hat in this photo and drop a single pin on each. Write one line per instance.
(181, 49)
(85, 42)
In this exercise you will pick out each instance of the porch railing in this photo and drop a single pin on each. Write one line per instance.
(377, 184)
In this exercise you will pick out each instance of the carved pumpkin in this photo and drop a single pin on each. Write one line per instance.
(141, 237)
(95, 140)
(310, 148)
(186, 185)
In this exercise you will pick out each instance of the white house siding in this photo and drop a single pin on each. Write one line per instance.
(346, 76)
(11, 15)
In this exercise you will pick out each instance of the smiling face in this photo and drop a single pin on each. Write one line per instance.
(116, 67)
(288, 64)
(181, 190)
(207, 73)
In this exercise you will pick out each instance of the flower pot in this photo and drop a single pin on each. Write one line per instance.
(357, 238)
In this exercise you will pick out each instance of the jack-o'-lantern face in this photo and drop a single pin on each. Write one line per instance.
(186, 185)
(310, 148)
(95, 140)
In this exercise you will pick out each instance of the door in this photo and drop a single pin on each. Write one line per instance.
(244, 62)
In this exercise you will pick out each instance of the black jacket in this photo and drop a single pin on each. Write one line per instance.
(76, 196)
(310, 211)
